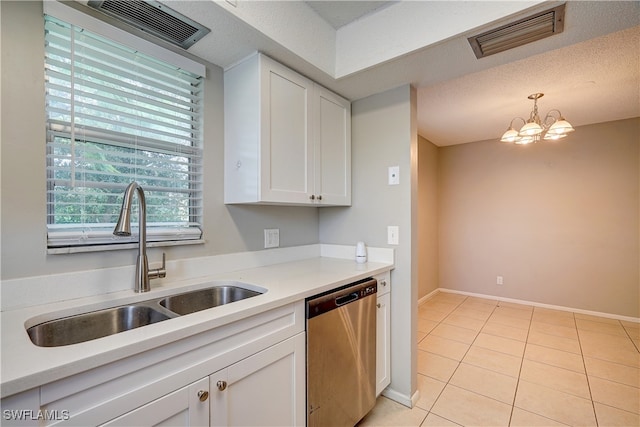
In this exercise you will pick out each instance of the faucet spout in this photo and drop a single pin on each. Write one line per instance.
(123, 228)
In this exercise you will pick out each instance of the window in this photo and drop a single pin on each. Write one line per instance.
(116, 115)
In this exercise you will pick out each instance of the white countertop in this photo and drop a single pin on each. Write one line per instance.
(25, 365)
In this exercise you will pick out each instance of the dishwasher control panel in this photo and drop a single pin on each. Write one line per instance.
(336, 298)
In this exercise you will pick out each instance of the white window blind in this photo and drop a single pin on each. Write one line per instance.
(116, 115)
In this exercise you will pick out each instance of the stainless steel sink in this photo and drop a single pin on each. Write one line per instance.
(190, 302)
(101, 323)
(96, 324)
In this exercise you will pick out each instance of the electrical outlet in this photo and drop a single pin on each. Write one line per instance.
(499, 280)
(271, 237)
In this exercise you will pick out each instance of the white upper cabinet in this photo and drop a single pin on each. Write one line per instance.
(287, 140)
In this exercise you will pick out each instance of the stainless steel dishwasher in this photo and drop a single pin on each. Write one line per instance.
(341, 354)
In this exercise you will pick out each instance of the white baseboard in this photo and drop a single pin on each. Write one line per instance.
(403, 399)
(535, 304)
(428, 296)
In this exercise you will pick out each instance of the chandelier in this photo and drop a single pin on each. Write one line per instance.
(534, 129)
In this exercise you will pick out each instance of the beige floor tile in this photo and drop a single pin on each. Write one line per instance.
(429, 389)
(610, 417)
(605, 328)
(425, 325)
(552, 312)
(614, 394)
(505, 331)
(506, 304)
(632, 325)
(430, 314)
(443, 347)
(472, 313)
(444, 306)
(485, 382)
(609, 347)
(493, 360)
(434, 366)
(512, 312)
(633, 332)
(477, 306)
(612, 371)
(553, 341)
(503, 345)
(512, 322)
(390, 413)
(434, 420)
(522, 418)
(596, 318)
(558, 331)
(559, 358)
(485, 301)
(450, 297)
(547, 402)
(558, 318)
(557, 378)
(455, 333)
(464, 322)
(471, 409)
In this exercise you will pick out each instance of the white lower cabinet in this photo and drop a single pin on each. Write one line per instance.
(265, 389)
(262, 390)
(187, 406)
(383, 333)
(249, 372)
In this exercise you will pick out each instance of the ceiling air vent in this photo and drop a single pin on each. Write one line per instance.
(154, 18)
(527, 30)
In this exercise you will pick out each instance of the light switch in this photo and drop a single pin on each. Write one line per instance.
(392, 235)
(394, 175)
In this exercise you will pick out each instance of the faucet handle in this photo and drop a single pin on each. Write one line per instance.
(159, 272)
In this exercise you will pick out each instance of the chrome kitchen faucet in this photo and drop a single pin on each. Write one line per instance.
(123, 228)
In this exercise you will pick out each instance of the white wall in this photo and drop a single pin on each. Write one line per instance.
(384, 134)
(227, 229)
(559, 221)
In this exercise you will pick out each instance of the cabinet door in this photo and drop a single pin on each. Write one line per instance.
(286, 168)
(332, 162)
(187, 406)
(383, 343)
(266, 389)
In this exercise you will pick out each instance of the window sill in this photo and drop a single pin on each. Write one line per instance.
(103, 248)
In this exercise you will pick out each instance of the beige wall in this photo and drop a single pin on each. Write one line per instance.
(427, 217)
(559, 221)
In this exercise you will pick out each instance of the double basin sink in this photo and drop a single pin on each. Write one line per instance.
(101, 323)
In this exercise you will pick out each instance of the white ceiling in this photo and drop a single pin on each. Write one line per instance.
(591, 71)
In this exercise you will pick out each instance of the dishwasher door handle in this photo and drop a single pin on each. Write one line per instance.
(346, 299)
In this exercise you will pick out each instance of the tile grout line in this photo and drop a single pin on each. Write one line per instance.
(460, 361)
(586, 373)
(515, 393)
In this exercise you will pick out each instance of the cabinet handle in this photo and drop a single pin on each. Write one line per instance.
(378, 304)
(319, 197)
(383, 282)
(222, 385)
(203, 395)
(312, 197)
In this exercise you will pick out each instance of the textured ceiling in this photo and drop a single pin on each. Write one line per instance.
(591, 71)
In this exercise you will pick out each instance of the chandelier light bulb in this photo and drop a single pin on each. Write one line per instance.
(553, 127)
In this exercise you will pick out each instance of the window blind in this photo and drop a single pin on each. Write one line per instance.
(115, 115)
